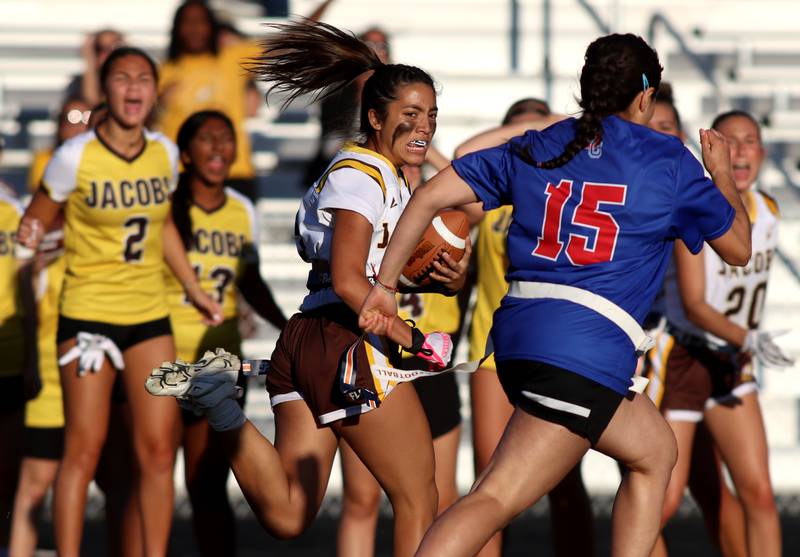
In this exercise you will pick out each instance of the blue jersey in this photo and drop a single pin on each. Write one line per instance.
(604, 222)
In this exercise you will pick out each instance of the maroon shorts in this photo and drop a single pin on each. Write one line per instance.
(305, 363)
(685, 381)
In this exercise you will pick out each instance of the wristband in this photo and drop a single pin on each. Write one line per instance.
(386, 287)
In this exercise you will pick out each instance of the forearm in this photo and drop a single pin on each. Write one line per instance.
(741, 223)
(259, 296)
(707, 318)
(175, 256)
(354, 295)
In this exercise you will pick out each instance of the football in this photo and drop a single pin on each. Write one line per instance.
(446, 233)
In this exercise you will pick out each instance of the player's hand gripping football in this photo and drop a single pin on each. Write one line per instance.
(450, 273)
(716, 152)
(378, 311)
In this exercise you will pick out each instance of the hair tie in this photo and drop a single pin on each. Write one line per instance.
(645, 83)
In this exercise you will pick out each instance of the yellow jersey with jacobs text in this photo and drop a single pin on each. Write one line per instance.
(11, 331)
(115, 210)
(492, 261)
(223, 242)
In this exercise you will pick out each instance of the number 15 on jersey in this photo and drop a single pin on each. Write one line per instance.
(587, 214)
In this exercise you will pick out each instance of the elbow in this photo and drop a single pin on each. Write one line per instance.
(741, 256)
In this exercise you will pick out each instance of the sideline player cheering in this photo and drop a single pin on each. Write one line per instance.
(321, 366)
(113, 184)
(598, 202)
(219, 230)
(705, 357)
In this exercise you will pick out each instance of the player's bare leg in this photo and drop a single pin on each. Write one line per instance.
(361, 499)
(684, 436)
(732, 427)
(722, 512)
(445, 454)
(507, 486)
(116, 476)
(571, 511)
(206, 472)
(394, 443)
(285, 483)
(154, 433)
(490, 414)
(640, 438)
(87, 401)
(35, 478)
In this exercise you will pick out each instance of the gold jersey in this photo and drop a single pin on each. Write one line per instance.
(115, 210)
(196, 82)
(492, 261)
(11, 330)
(431, 312)
(47, 409)
(224, 241)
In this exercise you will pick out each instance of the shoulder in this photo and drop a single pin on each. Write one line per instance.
(161, 139)
(769, 202)
(72, 149)
(240, 202)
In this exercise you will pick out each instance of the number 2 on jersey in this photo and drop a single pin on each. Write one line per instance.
(587, 214)
(138, 230)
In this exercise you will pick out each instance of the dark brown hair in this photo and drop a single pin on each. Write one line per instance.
(612, 75)
(182, 197)
(315, 58)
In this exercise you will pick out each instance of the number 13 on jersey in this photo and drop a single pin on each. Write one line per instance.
(587, 214)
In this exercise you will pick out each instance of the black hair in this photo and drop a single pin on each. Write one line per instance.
(176, 47)
(666, 97)
(732, 114)
(308, 57)
(527, 105)
(122, 52)
(182, 196)
(615, 67)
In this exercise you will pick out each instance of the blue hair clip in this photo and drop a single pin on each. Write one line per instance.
(645, 83)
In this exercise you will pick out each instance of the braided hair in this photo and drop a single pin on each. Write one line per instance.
(307, 57)
(611, 77)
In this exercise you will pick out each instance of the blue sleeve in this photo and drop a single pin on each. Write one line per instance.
(700, 212)
(488, 173)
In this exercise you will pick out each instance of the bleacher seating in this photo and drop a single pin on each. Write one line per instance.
(754, 63)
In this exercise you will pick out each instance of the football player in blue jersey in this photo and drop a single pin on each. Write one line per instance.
(598, 203)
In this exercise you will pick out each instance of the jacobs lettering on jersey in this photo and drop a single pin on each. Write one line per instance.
(217, 242)
(125, 193)
(760, 262)
(7, 240)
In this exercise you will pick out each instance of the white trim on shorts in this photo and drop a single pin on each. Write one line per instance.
(557, 404)
(693, 416)
(343, 413)
(738, 392)
(285, 397)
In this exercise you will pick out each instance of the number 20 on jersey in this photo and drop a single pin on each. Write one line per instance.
(587, 214)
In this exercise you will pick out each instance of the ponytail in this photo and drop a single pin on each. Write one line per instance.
(616, 69)
(308, 57)
(181, 203)
(312, 57)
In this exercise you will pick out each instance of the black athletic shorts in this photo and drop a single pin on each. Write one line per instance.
(44, 442)
(12, 394)
(124, 336)
(439, 397)
(559, 396)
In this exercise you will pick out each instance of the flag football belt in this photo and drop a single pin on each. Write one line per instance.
(692, 340)
(605, 307)
(385, 377)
